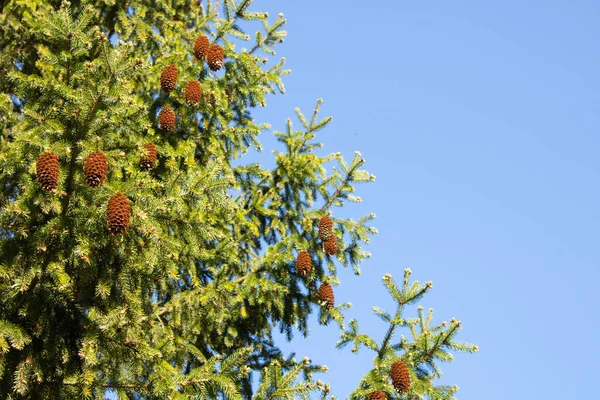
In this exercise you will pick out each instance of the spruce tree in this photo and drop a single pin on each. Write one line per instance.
(138, 252)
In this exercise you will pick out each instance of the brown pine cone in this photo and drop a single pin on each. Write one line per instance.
(215, 57)
(377, 395)
(201, 46)
(193, 93)
(168, 78)
(325, 227)
(47, 170)
(330, 246)
(303, 263)
(118, 213)
(325, 295)
(400, 376)
(167, 119)
(148, 159)
(94, 169)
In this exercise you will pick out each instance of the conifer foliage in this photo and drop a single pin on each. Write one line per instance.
(405, 367)
(135, 255)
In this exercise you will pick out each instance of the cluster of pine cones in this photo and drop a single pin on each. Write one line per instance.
(204, 51)
(304, 261)
(400, 380)
(399, 372)
(330, 244)
(95, 167)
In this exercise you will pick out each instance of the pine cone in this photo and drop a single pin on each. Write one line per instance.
(47, 170)
(193, 93)
(168, 78)
(201, 47)
(94, 169)
(400, 376)
(148, 159)
(215, 56)
(118, 214)
(325, 295)
(377, 395)
(167, 119)
(325, 227)
(303, 263)
(330, 246)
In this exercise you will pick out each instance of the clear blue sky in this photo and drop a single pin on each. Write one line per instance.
(481, 121)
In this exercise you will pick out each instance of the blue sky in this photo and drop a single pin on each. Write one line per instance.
(480, 120)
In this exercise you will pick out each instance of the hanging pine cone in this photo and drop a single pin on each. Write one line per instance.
(377, 395)
(325, 227)
(168, 78)
(201, 46)
(193, 93)
(167, 119)
(118, 212)
(47, 170)
(148, 159)
(325, 295)
(330, 246)
(94, 169)
(400, 376)
(303, 263)
(215, 56)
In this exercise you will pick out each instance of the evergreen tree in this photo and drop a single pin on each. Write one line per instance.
(137, 253)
